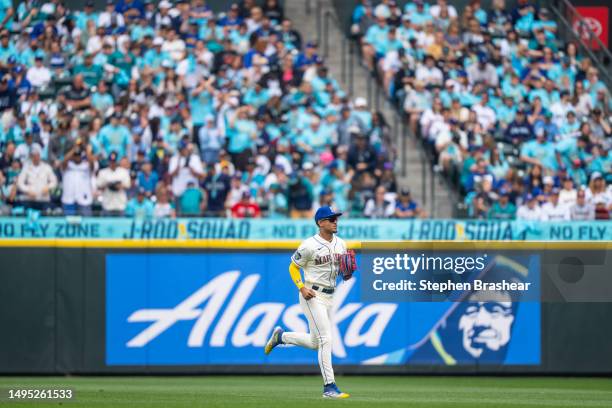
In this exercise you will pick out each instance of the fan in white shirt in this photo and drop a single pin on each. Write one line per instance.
(39, 75)
(530, 211)
(185, 167)
(553, 210)
(484, 114)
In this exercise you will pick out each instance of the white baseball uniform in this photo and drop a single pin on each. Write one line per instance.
(319, 259)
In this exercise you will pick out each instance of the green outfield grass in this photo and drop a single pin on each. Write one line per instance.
(295, 392)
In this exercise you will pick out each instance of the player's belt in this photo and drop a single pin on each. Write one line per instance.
(324, 290)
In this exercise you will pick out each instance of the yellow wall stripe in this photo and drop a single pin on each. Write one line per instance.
(293, 244)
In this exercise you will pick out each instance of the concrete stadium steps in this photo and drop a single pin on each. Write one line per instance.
(306, 24)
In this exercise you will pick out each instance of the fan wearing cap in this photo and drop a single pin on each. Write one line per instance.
(39, 75)
(318, 257)
(114, 136)
(140, 206)
(36, 181)
(553, 210)
(113, 180)
(110, 18)
(406, 207)
(530, 210)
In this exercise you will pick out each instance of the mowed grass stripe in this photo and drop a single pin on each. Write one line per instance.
(304, 391)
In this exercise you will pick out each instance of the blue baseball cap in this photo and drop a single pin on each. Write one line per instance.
(326, 212)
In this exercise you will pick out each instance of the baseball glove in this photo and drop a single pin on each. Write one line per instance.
(348, 265)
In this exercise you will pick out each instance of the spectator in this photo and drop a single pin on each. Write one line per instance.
(601, 209)
(596, 189)
(79, 166)
(301, 197)
(361, 156)
(115, 137)
(148, 178)
(78, 96)
(92, 73)
(113, 180)
(405, 207)
(540, 152)
(568, 194)
(22, 152)
(582, 210)
(210, 141)
(39, 76)
(530, 210)
(503, 208)
(8, 94)
(379, 206)
(163, 207)
(185, 167)
(278, 205)
(553, 210)
(191, 201)
(140, 206)
(217, 187)
(36, 182)
(246, 208)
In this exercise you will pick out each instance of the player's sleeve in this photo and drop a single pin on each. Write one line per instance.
(299, 259)
(302, 255)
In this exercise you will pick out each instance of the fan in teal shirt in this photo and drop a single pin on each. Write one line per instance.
(541, 151)
(140, 206)
(115, 137)
(92, 73)
(572, 148)
(243, 132)
(5, 6)
(82, 17)
(141, 30)
(201, 104)
(377, 36)
(101, 99)
(257, 96)
(153, 58)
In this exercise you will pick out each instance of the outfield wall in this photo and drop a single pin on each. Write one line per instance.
(113, 306)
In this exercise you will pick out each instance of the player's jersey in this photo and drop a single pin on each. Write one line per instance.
(319, 259)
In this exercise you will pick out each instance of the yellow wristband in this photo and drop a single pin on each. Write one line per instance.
(299, 285)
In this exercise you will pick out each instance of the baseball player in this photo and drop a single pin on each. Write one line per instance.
(322, 257)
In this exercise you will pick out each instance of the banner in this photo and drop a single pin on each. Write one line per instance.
(203, 309)
(595, 18)
(262, 229)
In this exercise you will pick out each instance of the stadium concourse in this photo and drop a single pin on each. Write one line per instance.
(161, 110)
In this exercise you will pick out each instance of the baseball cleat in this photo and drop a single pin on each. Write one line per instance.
(275, 339)
(332, 391)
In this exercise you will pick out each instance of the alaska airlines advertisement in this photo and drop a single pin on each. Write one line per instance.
(199, 309)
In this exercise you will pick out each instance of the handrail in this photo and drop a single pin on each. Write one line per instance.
(602, 57)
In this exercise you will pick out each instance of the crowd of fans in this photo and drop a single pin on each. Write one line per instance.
(160, 109)
(516, 118)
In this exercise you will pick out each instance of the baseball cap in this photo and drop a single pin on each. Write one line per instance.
(326, 212)
(596, 175)
(360, 102)
(112, 156)
(182, 144)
